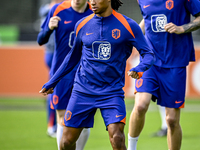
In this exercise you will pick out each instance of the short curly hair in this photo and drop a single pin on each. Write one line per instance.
(115, 4)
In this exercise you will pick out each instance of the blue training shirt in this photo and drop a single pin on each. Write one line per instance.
(171, 50)
(103, 44)
(64, 34)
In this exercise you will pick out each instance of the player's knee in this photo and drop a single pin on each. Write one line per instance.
(172, 122)
(141, 109)
(65, 144)
(118, 141)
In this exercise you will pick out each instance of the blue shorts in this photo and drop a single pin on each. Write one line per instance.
(167, 85)
(62, 93)
(82, 108)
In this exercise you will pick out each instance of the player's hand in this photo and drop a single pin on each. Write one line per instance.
(133, 74)
(53, 22)
(46, 92)
(172, 28)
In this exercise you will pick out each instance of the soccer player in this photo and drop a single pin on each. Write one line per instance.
(103, 43)
(49, 49)
(163, 130)
(61, 20)
(167, 28)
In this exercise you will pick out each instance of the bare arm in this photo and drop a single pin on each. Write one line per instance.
(192, 26)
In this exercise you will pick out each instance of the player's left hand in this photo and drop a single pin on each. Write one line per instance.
(45, 92)
(133, 74)
(53, 22)
(172, 28)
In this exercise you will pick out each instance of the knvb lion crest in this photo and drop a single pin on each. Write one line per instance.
(169, 4)
(55, 99)
(116, 33)
(68, 115)
(139, 83)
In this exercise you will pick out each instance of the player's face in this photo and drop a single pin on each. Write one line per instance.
(100, 7)
(79, 3)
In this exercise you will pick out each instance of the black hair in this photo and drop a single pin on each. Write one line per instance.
(115, 4)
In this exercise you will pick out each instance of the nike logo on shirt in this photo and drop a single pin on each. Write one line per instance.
(88, 33)
(66, 22)
(145, 6)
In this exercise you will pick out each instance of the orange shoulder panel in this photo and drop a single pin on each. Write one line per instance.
(83, 23)
(64, 5)
(123, 21)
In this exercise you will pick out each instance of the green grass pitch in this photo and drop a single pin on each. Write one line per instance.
(23, 127)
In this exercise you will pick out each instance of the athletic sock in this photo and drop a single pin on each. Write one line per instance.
(163, 116)
(80, 143)
(59, 134)
(132, 142)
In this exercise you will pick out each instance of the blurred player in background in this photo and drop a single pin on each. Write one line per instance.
(163, 130)
(167, 27)
(61, 19)
(49, 49)
(103, 43)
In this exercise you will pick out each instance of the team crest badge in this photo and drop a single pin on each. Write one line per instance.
(169, 4)
(55, 99)
(139, 83)
(68, 115)
(116, 33)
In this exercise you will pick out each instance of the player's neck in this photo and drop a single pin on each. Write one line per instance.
(106, 13)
